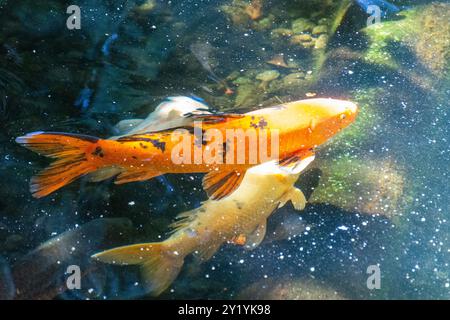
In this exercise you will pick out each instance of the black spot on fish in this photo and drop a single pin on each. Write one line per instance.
(98, 152)
(262, 123)
(134, 157)
(161, 145)
(253, 125)
(239, 205)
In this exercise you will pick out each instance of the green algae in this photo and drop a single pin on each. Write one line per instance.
(366, 185)
(424, 31)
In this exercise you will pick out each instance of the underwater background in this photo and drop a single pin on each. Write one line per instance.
(378, 192)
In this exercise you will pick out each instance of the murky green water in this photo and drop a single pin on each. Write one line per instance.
(378, 192)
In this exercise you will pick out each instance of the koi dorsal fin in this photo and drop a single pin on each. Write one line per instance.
(296, 157)
(215, 118)
(219, 184)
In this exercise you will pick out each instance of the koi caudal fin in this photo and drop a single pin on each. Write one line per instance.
(69, 150)
(159, 264)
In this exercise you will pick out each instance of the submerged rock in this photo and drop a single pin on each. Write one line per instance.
(290, 289)
(424, 31)
(300, 38)
(146, 7)
(321, 42)
(368, 186)
(320, 30)
(265, 23)
(294, 79)
(247, 95)
(242, 13)
(281, 32)
(40, 274)
(266, 76)
(301, 25)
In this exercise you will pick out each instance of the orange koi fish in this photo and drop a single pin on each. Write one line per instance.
(296, 127)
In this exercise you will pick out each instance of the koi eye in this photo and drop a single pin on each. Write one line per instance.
(343, 116)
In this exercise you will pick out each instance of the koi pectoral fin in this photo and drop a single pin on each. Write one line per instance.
(135, 175)
(104, 174)
(297, 198)
(219, 184)
(256, 237)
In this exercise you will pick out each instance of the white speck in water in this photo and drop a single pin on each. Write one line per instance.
(131, 203)
(343, 228)
(312, 269)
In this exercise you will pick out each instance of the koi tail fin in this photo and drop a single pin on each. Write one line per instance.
(69, 150)
(159, 264)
